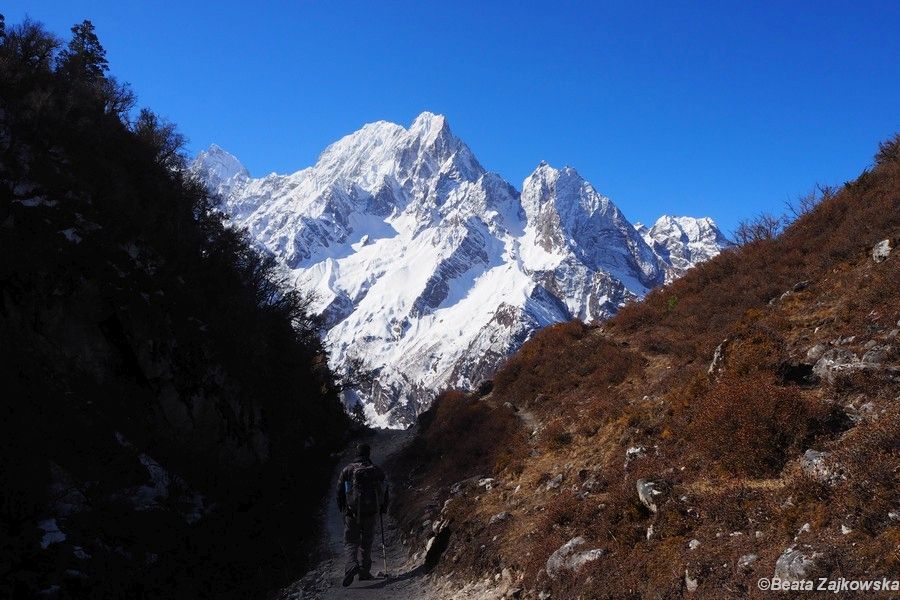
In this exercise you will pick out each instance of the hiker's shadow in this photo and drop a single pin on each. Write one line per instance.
(417, 572)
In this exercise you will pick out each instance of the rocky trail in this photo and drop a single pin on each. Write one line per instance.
(406, 577)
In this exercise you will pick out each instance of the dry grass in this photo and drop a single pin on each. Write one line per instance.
(725, 448)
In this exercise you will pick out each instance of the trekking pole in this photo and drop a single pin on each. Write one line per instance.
(383, 546)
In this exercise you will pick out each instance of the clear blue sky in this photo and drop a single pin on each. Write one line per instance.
(706, 108)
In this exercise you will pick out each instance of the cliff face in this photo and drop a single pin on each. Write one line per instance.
(161, 391)
(738, 423)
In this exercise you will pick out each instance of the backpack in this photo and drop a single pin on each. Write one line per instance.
(365, 489)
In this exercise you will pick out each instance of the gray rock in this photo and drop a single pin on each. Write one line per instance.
(567, 557)
(634, 453)
(865, 412)
(499, 518)
(795, 565)
(833, 362)
(555, 482)
(648, 493)
(876, 355)
(745, 563)
(487, 483)
(881, 251)
(816, 352)
(690, 583)
(814, 464)
(718, 357)
(439, 525)
(694, 544)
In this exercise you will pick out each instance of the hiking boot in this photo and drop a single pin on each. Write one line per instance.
(367, 576)
(349, 575)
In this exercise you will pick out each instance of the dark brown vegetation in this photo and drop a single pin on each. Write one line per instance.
(136, 326)
(597, 408)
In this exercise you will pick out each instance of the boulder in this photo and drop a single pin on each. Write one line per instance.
(816, 352)
(834, 361)
(795, 564)
(876, 355)
(881, 251)
(814, 465)
(567, 557)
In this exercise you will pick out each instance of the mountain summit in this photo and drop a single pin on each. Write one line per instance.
(428, 270)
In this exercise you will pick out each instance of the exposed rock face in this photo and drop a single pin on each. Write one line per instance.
(428, 270)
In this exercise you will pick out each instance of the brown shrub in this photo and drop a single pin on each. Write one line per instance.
(560, 359)
(760, 348)
(749, 425)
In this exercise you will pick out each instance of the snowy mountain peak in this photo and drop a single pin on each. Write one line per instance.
(384, 153)
(219, 169)
(429, 126)
(225, 164)
(682, 242)
(427, 270)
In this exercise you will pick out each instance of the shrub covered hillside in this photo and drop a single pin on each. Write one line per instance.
(165, 404)
(741, 422)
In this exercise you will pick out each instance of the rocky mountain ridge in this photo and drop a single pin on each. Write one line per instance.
(429, 270)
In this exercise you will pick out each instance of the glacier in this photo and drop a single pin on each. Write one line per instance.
(428, 270)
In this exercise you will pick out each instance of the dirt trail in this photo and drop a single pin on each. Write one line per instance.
(407, 579)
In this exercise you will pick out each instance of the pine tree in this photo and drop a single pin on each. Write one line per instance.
(358, 414)
(84, 57)
(2, 28)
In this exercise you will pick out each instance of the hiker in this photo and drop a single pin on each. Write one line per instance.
(362, 494)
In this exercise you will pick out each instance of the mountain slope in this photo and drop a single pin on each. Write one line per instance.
(159, 387)
(427, 269)
(741, 423)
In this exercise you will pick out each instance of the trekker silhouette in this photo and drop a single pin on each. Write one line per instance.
(362, 493)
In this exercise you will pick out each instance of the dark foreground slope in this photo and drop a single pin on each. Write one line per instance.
(167, 413)
(754, 403)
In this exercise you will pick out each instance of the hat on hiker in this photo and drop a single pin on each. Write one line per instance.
(364, 450)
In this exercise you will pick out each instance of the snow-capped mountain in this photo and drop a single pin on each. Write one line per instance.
(682, 242)
(429, 270)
